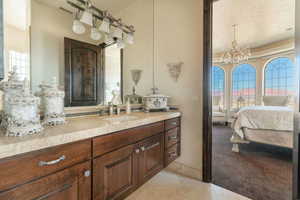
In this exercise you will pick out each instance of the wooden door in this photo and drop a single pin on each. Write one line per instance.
(151, 158)
(84, 75)
(115, 174)
(70, 184)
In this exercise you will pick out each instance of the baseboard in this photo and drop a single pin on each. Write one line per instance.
(185, 170)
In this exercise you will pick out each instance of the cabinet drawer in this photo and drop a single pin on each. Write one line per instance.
(73, 183)
(108, 143)
(172, 123)
(26, 167)
(172, 137)
(172, 153)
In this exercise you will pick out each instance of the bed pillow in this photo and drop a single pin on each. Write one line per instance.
(276, 100)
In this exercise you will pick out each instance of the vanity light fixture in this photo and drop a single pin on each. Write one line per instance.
(78, 27)
(129, 38)
(120, 44)
(108, 39)
(104, 27)
(90, 15)
(118, 33)
(87, 16)
(95, 33)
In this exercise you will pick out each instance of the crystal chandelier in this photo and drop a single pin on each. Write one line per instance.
(236, 54)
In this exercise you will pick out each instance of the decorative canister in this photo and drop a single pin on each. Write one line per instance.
(20, 108)
(10, 88)
(156, 102)
(52, 103)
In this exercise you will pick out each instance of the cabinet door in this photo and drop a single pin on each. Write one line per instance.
(151, 158)
(115, 174)
(70, 184)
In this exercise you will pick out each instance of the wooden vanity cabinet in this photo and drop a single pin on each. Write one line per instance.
(118, 173)
(115, 174)
(61, 173)
(172, 140)
(151, 157)
(70, 184)
(108, 167)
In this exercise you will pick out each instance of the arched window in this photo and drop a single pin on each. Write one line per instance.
(280, 77)
(218, 83)
(243, 85)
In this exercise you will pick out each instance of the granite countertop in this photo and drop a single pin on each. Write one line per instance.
(76, 129)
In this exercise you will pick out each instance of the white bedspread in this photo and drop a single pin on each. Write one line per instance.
(263, 117)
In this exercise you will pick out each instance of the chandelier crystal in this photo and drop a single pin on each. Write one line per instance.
(236, 54)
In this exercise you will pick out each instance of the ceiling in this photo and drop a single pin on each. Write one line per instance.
(113, 6)
(259, 22)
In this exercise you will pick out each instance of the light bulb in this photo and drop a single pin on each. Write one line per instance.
(95, 34)
(104, 27)
(129, 38)
(118, 33)
(87, 17)
(78, 27)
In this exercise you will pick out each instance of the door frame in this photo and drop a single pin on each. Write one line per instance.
(207, 107)
(207, 98)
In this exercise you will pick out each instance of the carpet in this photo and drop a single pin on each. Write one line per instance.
(259, 171)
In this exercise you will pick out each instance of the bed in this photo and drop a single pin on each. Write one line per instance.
(271, 125)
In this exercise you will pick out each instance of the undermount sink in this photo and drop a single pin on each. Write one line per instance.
(119, 119)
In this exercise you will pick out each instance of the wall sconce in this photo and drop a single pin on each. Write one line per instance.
(175, 70)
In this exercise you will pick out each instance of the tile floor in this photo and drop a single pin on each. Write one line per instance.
(167, 185)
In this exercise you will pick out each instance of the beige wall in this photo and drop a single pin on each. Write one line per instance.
(49, 26)
(178, 34)
(140, 54)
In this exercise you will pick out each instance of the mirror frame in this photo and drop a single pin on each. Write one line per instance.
(1, 41)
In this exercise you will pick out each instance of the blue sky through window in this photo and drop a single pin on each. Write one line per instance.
(218, 81)
(280, 77)
(244, 84)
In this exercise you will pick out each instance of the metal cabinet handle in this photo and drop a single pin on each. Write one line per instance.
(150, 147)
(173, 137)
(87, 173)
(174, 123)
(173, 154)
(53, 162)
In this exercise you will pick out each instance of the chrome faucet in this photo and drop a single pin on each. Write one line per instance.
(110, 108)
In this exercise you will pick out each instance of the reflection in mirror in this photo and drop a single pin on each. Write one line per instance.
(41, 52)
(16, 37)
(16, 51)
(113, 71)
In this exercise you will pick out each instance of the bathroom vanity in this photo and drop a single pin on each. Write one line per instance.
(90, 157)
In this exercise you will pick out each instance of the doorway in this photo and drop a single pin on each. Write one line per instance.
(209, 106)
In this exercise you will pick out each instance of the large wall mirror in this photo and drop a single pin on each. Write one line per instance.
(49, 38)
